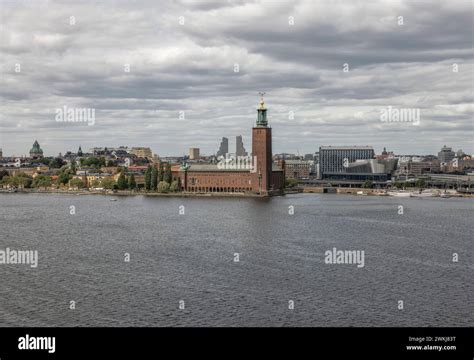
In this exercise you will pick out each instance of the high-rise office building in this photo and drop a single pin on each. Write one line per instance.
(239, 146)
(224, 147)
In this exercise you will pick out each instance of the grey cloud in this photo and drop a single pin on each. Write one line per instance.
(190, 68)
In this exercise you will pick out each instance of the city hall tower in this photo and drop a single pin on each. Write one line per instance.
(262, 150)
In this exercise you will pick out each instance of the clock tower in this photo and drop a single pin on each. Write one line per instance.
(262, 150)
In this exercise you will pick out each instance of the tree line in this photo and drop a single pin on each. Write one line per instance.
(160, 180)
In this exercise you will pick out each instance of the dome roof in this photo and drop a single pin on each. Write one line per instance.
(36, 148)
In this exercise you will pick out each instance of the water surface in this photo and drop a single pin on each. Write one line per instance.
(190, 257)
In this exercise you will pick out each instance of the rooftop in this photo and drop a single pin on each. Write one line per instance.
(346, 147)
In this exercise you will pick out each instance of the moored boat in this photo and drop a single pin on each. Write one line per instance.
(422, 194)
(399, 193)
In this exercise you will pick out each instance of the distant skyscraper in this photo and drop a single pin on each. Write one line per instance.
(446, 154)
(193, 153)
(224, 147)
(239, 146)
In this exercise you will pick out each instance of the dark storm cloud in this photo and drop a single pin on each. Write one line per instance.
(189, 68)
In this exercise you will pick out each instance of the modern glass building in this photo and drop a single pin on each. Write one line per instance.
(336, 159)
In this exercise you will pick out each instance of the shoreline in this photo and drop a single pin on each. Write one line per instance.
(338, 191)
(130, 193)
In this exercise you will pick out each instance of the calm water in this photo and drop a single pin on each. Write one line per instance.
(191, 257)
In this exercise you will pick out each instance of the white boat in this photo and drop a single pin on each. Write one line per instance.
(361, 193)
(113, 199)
(444, 195)
(422, 194)
(399, 193)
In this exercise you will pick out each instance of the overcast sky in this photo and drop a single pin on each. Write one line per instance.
(183, 56)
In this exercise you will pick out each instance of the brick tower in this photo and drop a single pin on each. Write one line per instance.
(262, 149)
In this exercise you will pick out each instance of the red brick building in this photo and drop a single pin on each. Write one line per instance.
(257, 174)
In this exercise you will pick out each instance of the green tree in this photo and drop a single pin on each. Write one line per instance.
(21, 179)
(174, 186)
(24, 180)
(122, 183)
(168, 176)
(64, 176)
(6, 180)
(148, 178)
(163, 186)
(42, 181)
(154, 178)
(132, 184)
(56, 163)
(95, 183)
(420, 183)
(76, 183)
(291, 182)
(367, 184)
(108, 183)
(162, 172)
(93, 162)
(3, 173)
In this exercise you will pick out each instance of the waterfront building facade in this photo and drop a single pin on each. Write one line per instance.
(258, 175)
(297, 169)
(335, 159)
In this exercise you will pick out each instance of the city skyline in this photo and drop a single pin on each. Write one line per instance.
(255, 164)
(185, 152)
(194, 71)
